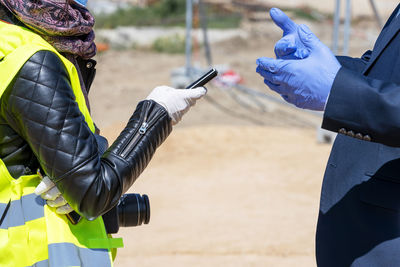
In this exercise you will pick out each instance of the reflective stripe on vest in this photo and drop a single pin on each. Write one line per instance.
(66, 254)
(31, 233)
(25, 209)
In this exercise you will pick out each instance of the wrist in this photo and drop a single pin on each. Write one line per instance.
(159, 102)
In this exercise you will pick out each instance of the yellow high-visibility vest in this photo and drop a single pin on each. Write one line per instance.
(31, 233)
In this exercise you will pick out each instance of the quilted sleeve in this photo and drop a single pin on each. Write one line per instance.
(40, 106)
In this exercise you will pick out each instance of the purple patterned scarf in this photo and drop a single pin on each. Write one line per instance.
(64, 24)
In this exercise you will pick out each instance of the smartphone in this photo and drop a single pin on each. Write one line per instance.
(74, 217)
(204, 79)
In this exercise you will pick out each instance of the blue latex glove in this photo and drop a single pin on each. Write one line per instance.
(290, 46)
(306, 83)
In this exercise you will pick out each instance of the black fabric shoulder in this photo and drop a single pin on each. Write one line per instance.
(40, 105)
(43, 68)
(45, 59)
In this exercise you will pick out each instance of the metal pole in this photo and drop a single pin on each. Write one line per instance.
(336, 23)
(347, 28)
(376, 13)
(203, 21)
(189, 21)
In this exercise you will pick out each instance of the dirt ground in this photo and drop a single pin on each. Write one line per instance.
(237, 182)
(230, 196)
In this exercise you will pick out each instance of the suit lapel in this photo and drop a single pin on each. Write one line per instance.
(394, 14)
(388, 33)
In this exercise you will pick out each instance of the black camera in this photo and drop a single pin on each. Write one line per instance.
(132, 210)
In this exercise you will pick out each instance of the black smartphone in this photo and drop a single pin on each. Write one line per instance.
(204, 79)
(74, 217)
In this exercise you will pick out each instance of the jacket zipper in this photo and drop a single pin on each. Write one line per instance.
(134, 134)
(145, 125)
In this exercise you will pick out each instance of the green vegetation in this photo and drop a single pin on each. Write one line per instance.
(170, 44)
(306, 12)
(163, 13)
(224, 21)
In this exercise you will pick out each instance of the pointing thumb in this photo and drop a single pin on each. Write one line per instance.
(282, 21)
(307, 37)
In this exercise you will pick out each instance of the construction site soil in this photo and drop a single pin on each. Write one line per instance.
(237, 183)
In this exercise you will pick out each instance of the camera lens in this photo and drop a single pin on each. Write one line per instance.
(133, 210)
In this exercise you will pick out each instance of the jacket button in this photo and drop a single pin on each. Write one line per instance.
(367, 138)
(359, 136)
(343, 131)
(89, 65)
(350, 133)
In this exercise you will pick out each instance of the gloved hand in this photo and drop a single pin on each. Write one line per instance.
(290, 46)
(48, 190)
(306, 83)
(176, 101)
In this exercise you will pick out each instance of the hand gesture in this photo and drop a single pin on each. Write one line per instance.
(306, 83)
(290, 46)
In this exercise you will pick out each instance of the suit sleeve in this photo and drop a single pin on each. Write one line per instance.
(361, 105)
(355, 64)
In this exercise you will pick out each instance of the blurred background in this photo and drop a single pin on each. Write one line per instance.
(237, 183)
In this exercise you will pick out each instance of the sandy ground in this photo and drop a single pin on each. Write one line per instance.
(237, 183)
(230, 196)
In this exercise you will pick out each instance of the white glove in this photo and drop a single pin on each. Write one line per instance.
(48, 190)
(176, 101)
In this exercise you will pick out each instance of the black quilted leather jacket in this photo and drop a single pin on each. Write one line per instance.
(41, 126)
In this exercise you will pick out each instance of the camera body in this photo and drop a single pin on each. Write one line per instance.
(131, 210)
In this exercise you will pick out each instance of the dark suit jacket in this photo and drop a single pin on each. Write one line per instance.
(359, 219)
